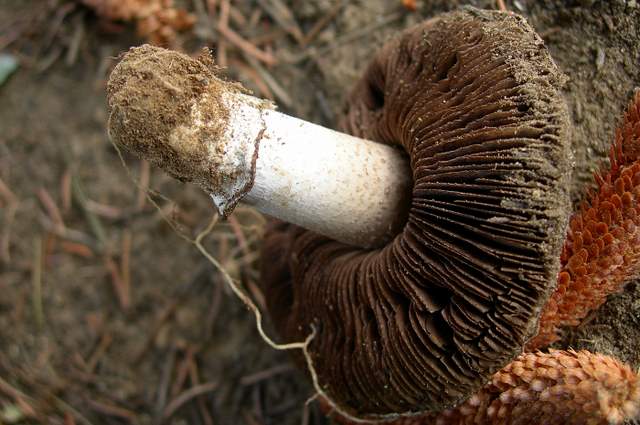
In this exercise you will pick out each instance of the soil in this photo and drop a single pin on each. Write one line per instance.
(150, 94)
(108, 314)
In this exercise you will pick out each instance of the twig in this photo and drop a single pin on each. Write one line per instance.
(165, 382)
(94, 222)
(18, 396)
(102, 348)
(195, 380)
(164, 315)
(255, 17)
(6, 193)
(122, 291)
(253, 75)
(265, 374)
(19, 305)
(68, 408)
(106, 211)
(51, 58)
(186, 396)
(214, 309)
(306, 416)
(75, 248)
(51, 207)
(49, 245)
(347, 38)
(267, 37)
(244, 45)
(36, 280)
(284, 407)
(281, 13)
(211, 7)
(237, 231)
(70, 234)
(125, 262)
(65, 191)
(145, 178)
(236, 16)
(321, 23)
(257, 294)
(223, 22)
(182, 372)
(109, 409)
(501, 6)
(68, 419)
(76, 39)
(9, 215)
(57, 22)
(250, 419)
(276, 88)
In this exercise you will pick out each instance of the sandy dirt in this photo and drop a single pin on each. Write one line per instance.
(107, 314)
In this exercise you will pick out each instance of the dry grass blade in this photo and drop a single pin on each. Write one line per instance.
(36, 281)
(21, 399)
(246, 46)
(11, 207)
(281, 94)
(322, 23)
(101, 349)
(65, 191)
(223, 22)
(94, 222)
(251, 74)
(145, 178)
(281, 13)
(347, 38)
(50, 205)
(108, 409)
(75, 248)
(186, 396)
(125, 262)
(120, 287)
(265, 374)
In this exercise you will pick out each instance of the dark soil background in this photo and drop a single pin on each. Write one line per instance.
(107, 314)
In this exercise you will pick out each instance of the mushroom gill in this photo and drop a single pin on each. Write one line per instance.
(422, 323)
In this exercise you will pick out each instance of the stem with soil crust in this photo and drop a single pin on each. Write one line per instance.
(349, 189)
(340, 186)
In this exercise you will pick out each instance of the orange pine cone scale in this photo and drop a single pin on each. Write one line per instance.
(602, 248)
(561, 387)
(157, 20)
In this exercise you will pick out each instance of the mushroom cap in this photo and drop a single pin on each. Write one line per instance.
(421, 323)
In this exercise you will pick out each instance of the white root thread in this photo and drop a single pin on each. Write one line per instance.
(245, 298)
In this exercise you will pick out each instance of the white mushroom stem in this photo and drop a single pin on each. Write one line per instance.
(349, 189)
(174, 111)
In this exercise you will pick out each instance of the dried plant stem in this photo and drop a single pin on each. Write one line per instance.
(36, 281)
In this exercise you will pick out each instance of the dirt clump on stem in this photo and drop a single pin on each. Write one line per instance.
(166, 107)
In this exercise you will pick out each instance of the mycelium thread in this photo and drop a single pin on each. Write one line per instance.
(245, 298)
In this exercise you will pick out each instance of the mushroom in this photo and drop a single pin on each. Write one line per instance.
(423, 249)
(175, 111)
(422, 323)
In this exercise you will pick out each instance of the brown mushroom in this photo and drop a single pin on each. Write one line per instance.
(422, 323)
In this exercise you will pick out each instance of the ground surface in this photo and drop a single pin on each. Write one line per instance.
(107, 315)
